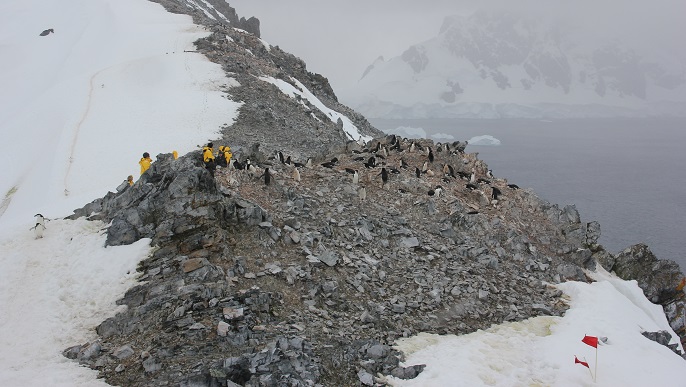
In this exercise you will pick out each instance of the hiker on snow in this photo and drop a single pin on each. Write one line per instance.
(208, 158)
(145, 162)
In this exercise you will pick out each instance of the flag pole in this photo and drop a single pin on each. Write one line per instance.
(596, 365)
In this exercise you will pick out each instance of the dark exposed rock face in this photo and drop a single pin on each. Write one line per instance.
(220, 11)
(661, 280)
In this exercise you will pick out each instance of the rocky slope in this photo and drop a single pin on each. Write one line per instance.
(310, 279)
(305, 282)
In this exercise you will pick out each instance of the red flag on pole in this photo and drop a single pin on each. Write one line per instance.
(583, 363)
(591, 340)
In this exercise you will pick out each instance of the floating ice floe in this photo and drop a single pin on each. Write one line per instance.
(485, 140)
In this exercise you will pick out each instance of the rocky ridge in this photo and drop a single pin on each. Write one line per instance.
(280, 284)
(307, 281)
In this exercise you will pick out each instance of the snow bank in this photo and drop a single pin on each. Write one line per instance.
(541, 350)
(53, 292)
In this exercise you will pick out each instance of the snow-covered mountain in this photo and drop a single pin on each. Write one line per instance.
(497, 64)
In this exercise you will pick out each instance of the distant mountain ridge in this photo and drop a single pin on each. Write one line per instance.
(499, 65)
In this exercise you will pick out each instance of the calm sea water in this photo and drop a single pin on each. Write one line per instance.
(629, 175)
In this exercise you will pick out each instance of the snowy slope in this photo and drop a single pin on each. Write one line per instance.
(80, 106)
(492, 65)
(541, 350)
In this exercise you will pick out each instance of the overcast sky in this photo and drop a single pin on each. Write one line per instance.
(339, 39)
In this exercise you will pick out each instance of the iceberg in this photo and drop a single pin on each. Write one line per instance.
(485, 140)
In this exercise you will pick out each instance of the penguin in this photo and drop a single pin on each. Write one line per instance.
(288, 160)
(330, 164)
(251, 169)
(425, 167)
(281, 159)
(384, 177)
(471, 186)
(362, 193)
(489, 174)
(438, 191)
(445, 169)
(296, 174)
(371, 163)
(431, 155)
(403, 164)
(267, 176)
(356, 177)
(238, 165)
(451, 171)
(412, 147)
(384, 152)
(417, 172)
(495, 192)
(39, 227)
(513, 186)
(472, 177)
(308, 164)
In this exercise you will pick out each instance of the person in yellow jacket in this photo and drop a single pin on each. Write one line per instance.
(130, 180)
(225, 155)
(208, 158)
(145, 162)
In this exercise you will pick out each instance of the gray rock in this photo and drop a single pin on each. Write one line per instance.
(151, 365)
(329, 257)
(410, 242)
(365, 378)
(123, 352)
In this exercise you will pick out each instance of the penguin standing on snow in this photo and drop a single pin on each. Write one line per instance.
(39, 227)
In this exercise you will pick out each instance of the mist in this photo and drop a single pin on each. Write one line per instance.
(340, 39)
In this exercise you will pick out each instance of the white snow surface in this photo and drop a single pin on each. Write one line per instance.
(53, 292)
(81, 105)
(540, 351)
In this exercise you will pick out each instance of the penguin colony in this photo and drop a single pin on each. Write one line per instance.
(388, 167)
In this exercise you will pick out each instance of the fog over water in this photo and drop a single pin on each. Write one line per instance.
(626, 174)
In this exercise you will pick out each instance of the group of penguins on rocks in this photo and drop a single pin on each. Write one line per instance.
(424, 164)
